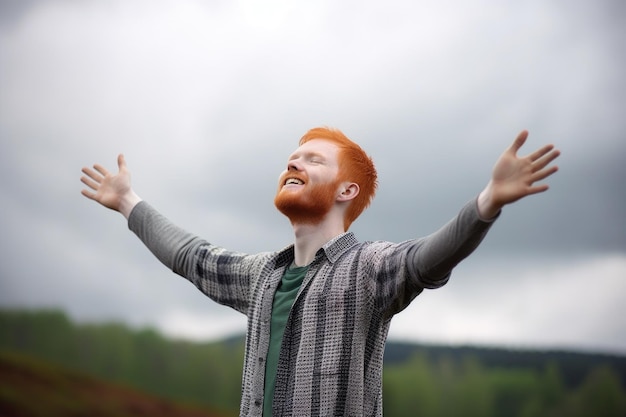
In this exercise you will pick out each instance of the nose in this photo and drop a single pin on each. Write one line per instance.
(292, 165)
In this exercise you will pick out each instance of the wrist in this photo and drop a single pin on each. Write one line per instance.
(128, 203)
(487, 208)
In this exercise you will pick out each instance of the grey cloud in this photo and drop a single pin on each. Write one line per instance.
(208, 113)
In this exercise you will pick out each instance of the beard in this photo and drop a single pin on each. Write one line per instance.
(308, 205)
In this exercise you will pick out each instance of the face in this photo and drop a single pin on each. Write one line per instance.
(307, 189)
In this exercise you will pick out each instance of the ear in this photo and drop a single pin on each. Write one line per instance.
(348, 191)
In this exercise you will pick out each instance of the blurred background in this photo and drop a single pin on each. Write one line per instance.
(207, 99)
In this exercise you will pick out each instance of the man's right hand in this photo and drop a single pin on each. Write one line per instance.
(111, 190)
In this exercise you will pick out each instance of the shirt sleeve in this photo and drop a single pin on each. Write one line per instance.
(431, 259)
(220, 274)
(403, 270)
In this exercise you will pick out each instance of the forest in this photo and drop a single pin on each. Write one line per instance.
(418, 380)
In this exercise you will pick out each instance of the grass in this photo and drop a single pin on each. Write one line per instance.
(31, 387)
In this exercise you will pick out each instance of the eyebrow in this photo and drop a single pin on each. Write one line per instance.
(308, 154)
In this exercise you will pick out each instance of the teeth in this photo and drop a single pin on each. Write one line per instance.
(293, 181)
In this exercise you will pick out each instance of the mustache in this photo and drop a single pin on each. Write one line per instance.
(290, 174)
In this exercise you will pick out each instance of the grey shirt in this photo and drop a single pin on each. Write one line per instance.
(331, 357)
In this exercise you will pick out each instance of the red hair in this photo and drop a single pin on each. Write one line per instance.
(354, 166)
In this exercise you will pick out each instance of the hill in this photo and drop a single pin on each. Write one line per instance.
(574, 366)
(31, 387)
(438, 380)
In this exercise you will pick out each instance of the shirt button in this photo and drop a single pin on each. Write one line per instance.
(260, 360)
(257, 402)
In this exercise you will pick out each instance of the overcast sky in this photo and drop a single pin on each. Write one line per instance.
(208, 98)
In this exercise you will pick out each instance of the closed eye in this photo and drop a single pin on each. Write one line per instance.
(315, 158)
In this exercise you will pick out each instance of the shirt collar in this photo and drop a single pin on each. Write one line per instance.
(338, 245)
(333, 249)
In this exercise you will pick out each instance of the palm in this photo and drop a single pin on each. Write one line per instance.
(107, 188)
(514, 177)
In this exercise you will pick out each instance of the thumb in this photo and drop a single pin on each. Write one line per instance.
(121, 162)
(519, 141)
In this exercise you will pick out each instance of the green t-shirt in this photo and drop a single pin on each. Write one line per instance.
(283, 300)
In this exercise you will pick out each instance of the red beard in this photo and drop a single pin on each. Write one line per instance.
(307, 205)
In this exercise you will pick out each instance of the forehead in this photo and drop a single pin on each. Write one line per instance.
(317, 147)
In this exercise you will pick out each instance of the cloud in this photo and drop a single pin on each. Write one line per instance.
(207, 100)
(558, 303)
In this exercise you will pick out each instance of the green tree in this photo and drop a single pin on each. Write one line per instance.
(602, 394)
(550, 392)
(474, 394)
(410, 389)
(513, 389)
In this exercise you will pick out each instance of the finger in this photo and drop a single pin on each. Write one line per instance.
(537, 189)
(540, 152)
(90, 183)
(91, 174)
(121, 162)
(545, 160)
(543, 174)
(519, 141)
(102, 170)
(88, 194)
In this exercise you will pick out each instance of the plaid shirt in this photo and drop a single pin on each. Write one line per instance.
(331, 358)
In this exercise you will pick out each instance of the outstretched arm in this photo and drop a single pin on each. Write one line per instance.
(109, 189)
(514, 177)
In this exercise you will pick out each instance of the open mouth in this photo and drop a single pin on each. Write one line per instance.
(295, 181)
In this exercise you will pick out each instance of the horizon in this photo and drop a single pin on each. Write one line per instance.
(240, 336)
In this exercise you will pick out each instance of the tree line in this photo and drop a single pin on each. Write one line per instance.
(417, 380)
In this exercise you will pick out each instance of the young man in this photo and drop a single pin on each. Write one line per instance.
(319, 310)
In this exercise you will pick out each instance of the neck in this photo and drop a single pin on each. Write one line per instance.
(309, 238)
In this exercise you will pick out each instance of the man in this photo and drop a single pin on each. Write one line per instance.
(319, 310)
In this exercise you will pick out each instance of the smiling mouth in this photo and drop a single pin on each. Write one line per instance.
(294, 181)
